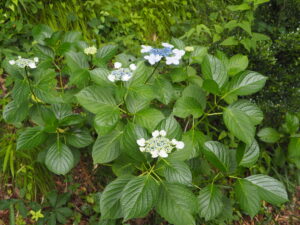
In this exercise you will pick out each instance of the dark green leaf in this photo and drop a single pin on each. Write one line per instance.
(79, 138)
(30, 138)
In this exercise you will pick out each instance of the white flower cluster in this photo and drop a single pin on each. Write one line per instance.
(90, 50)
(171, 54)
(22, 63)
(159, 145)
(123, 74)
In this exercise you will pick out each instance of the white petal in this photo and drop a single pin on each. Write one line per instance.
(32, 65)
(180, 145)
(142, 149)
(146, 48)
(117, 65)
(152, 59)
(132, 67)
(167, 45)
(163, 154)
(163, 133)
(172, 60)
(111, 77)
(125, 78)
(36, 59)
(155, 133)
(141, 142)
(12, 62)
(154, 154)
(174, 141)
(178, 53)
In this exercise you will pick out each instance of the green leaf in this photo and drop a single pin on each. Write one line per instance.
(59, 159)
(172, 127)
(237, 63)
(21, 91)
(198, 54)
(250, 155)
(99, 76)
(176, 204)
(252, 110)
(247, 196)
(210, 202)
(41, 32)
(163, 90)
(239, 124)
(107, 52)
(140, 75)
(194, 91)
(132, 133)
(268, 135)
(291, 124)
(77, 60)
(79, 138)
(110, 205)
(15, 113)
(211, 86)
(217, 154)
(149, 118)
(139, 196)
(246, 83)
(294, 151)
(241, 7)
(213, 69)
(106, 120)
(30, 138)
(139, 97)
(186, 106)
(96, 99)
(178, 74)
(230, 41)
(107, 147)
(177, 172)
(269, 189)
(192, 139)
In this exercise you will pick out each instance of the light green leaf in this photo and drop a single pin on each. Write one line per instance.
(30, 138)
(269, 189)
(99, 76)
(107, 147)
(241, 7)
(172, 127)
(163, 90)
(177, 172)
(250, 155)
(239, 124)
(198, 54)
(149, 118)
(268, 135)
(247, 196)
(96, 99)
(237, 63)
(186, 106)
(110, 205)
(210, 202)
(252, 110)
(77, 60)
(15, 113)
(247, 83)
(132, 133)
(213, 69)
(107, 52)
(139, 196)
(106, 120)
(176, 204)
(291, 124)
(79, 138)
(59, 159)
(230, 41)
(217, 154)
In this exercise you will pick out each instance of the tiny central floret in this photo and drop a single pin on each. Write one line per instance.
(123, 74)
(22, 62)
(159, 145)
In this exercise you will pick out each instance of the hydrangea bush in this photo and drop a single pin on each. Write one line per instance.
(170, 123)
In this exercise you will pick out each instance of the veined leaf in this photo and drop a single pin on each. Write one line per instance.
(59, 159)
(149, 118)
(210, 202)
(79, 138)
(177, 172)
(176, 204)
(217, 154)
(30, 138)
(247, 196)
(106, 120)
(139, 196)
(172, 127)
(250, 155)
(252, 110)
(268, 135)
(110, 205)
(294, 151)
(269, 189)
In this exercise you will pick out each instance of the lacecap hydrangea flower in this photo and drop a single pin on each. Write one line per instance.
(171, 54)
(92, 50)
(159, 145)
(123, 74)
(22, 62)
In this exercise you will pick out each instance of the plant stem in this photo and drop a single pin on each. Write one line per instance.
(152, 73)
